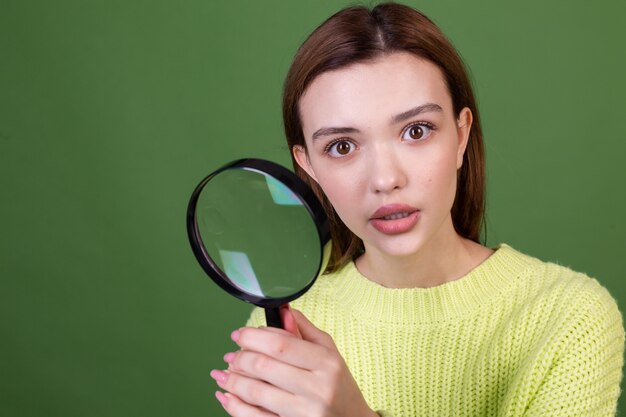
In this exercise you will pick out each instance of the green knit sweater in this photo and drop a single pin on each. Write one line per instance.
(514, 337)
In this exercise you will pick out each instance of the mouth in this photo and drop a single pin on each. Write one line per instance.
(394, 219)
(396, 216)
(393, 212)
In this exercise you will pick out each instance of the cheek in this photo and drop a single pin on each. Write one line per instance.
(331, 188)
(439, 181)
(336, 188)
(342, 191)
(335, 180)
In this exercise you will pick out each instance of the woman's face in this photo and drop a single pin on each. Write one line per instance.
(384, 144)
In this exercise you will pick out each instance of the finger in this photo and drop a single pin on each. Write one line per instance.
(310, 332)
(254, 392)
(260, 366)
(237, 408)
(281, 346)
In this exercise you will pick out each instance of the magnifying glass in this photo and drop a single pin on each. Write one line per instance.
(259, 232)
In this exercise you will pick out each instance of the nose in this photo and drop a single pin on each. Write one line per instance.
(386, 171)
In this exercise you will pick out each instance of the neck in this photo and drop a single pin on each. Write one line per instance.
(445, 258)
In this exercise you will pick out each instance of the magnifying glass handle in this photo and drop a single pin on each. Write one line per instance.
(272, 317)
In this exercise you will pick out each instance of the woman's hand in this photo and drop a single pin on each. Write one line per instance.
(295, 372)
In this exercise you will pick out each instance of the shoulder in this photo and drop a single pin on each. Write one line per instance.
(567, 284)
(573, 301)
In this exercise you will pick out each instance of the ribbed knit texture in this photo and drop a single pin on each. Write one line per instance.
(514, 337)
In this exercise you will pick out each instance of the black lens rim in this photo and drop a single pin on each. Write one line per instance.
(297, 186)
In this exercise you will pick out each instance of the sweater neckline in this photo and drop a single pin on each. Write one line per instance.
(480, 286)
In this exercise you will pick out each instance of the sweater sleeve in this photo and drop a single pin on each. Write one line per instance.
(257, 318)
(584, 377)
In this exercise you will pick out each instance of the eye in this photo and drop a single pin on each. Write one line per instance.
(339, 148)
(417, 131)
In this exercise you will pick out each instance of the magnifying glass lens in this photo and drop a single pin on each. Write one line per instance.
(258, 232)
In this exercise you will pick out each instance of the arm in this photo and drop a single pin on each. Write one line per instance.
(583, 369)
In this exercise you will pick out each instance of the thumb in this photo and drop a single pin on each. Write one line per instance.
(289, 321)
(311, 333)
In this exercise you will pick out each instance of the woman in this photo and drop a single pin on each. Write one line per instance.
(414, 316)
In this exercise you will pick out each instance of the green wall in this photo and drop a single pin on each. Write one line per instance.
(111, 112)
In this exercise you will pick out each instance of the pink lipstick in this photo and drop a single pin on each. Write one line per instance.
(394, 219)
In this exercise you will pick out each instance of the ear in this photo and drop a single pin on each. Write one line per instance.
(464, 125)
(301, 157)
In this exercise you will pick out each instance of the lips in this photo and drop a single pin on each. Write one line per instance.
(394, 219)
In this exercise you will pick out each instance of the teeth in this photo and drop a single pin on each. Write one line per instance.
(396, 216)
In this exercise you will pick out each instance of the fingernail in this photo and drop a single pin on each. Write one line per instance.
(222, 398)
(229, 357)
(235, 335)
(219, 376)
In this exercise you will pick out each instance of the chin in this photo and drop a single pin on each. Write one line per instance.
(400, 246)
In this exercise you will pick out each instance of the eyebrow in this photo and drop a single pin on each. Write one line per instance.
(326, 131)
(424, 108)
(428, 107)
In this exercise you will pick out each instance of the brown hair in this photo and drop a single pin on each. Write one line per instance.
(358, 34)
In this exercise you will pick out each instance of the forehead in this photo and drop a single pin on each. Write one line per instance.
(386, 86)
